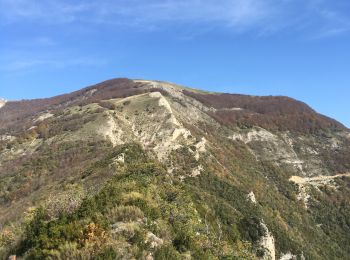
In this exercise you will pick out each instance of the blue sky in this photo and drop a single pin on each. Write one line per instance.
(297, 48)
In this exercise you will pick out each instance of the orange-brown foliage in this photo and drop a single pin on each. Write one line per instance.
(270, 112)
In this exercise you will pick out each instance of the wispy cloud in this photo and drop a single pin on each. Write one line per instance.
(12, 11)
(263, 16)
(134, 12)
(14, 64)
(334, 23)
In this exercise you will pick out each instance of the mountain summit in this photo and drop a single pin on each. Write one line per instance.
(137, 169)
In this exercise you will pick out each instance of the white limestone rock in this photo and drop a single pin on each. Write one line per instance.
(267, 243)
(2, 102)
(251, 197)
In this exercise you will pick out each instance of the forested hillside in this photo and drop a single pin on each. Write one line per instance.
(135, 169)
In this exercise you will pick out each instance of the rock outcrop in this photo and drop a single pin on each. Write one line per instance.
(147, 169)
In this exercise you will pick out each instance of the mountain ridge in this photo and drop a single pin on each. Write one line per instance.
(196, 93)
(150, 170)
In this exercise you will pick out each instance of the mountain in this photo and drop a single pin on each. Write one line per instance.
(137, 169)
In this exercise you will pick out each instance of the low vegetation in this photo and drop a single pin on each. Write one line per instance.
(80, 176)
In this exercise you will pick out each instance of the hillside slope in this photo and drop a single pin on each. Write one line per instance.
(136, 169)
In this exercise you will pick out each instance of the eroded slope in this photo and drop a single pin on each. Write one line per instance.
(218, 164)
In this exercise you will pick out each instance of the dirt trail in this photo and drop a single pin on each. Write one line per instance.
(304, 184)
(317, 180)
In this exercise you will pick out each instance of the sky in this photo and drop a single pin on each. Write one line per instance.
(296, 48)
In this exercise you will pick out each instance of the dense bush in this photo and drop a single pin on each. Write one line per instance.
(140, 200)
(166, 253)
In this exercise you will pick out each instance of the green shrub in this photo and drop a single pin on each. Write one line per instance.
(166, 252)
(251, 229)
(124, 213)
(107, 254)
(182, 241)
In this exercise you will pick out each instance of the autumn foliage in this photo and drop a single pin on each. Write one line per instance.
(270, 112)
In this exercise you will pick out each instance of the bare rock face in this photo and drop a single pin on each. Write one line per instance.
(2, 102)
(267, 243)
(251, 197)
(288, 256)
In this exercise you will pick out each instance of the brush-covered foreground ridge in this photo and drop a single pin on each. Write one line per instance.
(136, 169)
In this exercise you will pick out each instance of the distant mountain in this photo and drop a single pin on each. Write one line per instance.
(137, 169)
